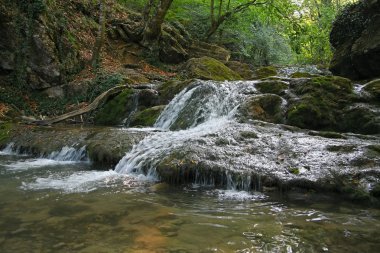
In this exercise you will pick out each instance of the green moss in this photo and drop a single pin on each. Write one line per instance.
(322, 100)
(295, 171)
(274, 87)
(5, 131)
(169, 89)
(375, 148)
(116, 109)
(302, 75)
(147, 117)
(264, 72)
(341, 148)
(208, 68)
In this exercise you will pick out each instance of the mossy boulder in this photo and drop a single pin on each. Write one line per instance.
(302, 75)
(321, 102)
(207, 68)
(360, 119)
(243, 69)
(169, 89)
(373, 88)
(274, 87)
(5, 132)
(266, 107)
(116, 109)
(147, 117)
(264, 72)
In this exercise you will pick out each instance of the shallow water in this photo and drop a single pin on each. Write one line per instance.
(63, 206)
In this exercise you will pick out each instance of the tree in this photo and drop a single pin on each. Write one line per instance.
(220, 18)
(95, 61)
(153, 23)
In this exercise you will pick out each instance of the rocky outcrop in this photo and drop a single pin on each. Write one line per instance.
(207, 68)
(35, 48)
(355, 37)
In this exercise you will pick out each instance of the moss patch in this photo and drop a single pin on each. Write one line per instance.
(169, 89)
(208, 68)
(302, 75)
(147, 117)
(5, 131)
(322, 100)
(116, 109)
(274, 87)
(264, 72)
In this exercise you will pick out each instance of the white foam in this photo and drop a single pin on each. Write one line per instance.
(36, 163)
(83, 181)
(239, 195)
(8, 150)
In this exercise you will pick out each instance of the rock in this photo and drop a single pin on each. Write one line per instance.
(321, 102)
(169, 89)
(200, 49)
(55, 92)
(148, 98)
(360, 119)
(172, 46)
(355, 36)
(133, 76)
(147, 117)
(243, 69)
(266, 108)
(117, 109)
(264, 72)
(373, 88)
(207, 68)
(274, 87)
(302, 75)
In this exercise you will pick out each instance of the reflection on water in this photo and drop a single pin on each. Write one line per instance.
(66, 207)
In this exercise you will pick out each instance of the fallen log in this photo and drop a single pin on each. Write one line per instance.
(97, 101)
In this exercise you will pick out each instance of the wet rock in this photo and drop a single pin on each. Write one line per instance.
(147, 117)
(59, 245)
(19, 231)
(207, 68)
(117, 109)
(373, 88)
(302, 75)
(274, 87)
(321, 102)
(266, 107)
(148, 98)
(169, 89)
(360, 119)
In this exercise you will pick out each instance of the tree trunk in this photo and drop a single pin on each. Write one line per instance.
(95, 61)
(153, 27)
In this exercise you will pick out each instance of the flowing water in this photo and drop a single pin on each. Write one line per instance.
(60, 203)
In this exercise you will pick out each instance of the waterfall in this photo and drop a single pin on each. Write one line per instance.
(201, 109)
(69, 154)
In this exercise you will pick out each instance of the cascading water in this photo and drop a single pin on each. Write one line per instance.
(201, 109)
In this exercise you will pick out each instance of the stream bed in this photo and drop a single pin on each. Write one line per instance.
(58, 205)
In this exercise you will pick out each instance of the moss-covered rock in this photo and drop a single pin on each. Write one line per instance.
(169, 89)
(147, 117)
(302, 75)
(359, 119)
(264, 72)
(243, 69)
(274, 87)
(116, 109)
(266, 107)
(208, 68)
(326, 134)
(5, 133)
(373, 88)
(321, 102)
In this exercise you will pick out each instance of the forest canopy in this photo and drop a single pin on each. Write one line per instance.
(260, 32)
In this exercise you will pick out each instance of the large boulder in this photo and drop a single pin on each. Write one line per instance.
(356, 38)
(207, 68)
